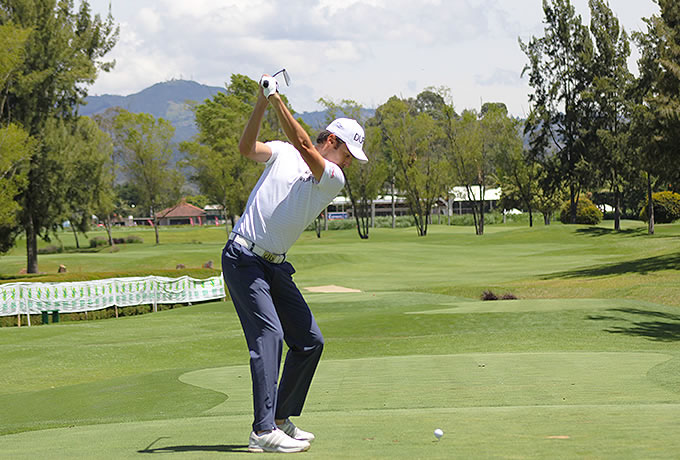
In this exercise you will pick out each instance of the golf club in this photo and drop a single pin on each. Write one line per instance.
(286, 77)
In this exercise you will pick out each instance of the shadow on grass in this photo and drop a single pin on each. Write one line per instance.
(658, 331)
(599, 231)
(176, 449)
(640, 266)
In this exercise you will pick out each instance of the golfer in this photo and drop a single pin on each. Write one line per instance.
(299, 180)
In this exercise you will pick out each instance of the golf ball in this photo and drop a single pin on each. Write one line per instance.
(438, 433)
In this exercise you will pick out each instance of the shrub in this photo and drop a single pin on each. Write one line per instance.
(51, 249)
(489, 295)
(666, 207)
(586, 212)
(98, 241)
(132, 239)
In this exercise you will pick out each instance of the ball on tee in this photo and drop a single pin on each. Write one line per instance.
(438, 433)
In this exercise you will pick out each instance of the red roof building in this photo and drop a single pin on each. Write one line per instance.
(182, 214)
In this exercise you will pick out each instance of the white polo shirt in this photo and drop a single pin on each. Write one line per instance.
(286, 199)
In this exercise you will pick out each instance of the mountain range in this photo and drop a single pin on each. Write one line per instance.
(170, 100)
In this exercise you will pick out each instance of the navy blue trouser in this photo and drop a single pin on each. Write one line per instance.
(272, 309)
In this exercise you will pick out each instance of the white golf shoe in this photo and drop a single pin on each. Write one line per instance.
(275, 441)
(294, 432)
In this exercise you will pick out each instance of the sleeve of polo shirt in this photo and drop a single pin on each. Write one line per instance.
(332, 179)
(275, 146)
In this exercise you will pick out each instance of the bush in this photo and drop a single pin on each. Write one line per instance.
(98, 241)
(666, 207)
(51, 249)
(586, 212)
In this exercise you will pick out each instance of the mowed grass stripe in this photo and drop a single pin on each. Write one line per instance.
(467, 380)
(617, 432)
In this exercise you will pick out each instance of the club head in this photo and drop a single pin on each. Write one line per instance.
(286, 77)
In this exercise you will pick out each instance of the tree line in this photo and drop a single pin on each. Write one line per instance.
(593, 128)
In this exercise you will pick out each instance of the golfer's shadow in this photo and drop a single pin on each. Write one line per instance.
(170, 449)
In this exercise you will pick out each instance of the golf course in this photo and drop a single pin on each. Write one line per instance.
(583, 362)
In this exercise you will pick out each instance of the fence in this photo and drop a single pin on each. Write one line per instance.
(82, 296)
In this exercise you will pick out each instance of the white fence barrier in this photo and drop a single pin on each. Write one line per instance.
(83, 296)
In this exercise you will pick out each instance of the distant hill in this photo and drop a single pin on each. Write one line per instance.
(170, 100)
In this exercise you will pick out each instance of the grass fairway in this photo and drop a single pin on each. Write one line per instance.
(585, 364)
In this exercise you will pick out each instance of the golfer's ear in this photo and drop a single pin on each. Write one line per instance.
(333, 139)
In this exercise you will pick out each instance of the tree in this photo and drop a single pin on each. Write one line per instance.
(517, 173)
(363, 182)
(108, 200)
(412, 140)
(559, 74)
(145, 144)
(213, 159)
(656, 113)
(610, 93)
(16, 146)
(87, 162)
(63, 53)
(16, 149)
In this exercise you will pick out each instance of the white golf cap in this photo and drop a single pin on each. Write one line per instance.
(352, 134)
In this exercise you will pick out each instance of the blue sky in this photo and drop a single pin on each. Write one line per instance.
(363, 50)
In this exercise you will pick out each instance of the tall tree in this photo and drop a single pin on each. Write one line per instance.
(559, 73)
(106, 203)
(412, 140)
(16, 146)
(363, 181)
(610, 92)
(16, 149)
(515, 171)
(87, 158)
(146, 147)
(656, 114)
(62, 56)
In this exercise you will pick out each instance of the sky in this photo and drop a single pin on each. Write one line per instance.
(360, 50)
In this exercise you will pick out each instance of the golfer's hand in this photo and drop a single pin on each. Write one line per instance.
(269, 85)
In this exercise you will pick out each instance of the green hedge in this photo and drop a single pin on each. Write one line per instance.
(586, 212)
(666, 207)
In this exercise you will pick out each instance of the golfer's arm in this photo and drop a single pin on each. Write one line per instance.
(298, 137)
(248, 145)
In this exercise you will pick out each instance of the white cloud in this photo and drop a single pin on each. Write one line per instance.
(365, 50)
(149, 20)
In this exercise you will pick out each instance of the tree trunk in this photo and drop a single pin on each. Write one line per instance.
(75, 235)
(155, 228)
(107, 226)
(572, 204)
(31, 246)
(317, 226)
(650, 205)
(531, 218)
(546, 218)
(357, 210)
(394, 211)
(481, 212)
(617, 209)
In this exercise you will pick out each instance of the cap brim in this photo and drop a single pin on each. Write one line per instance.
(357, 153)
